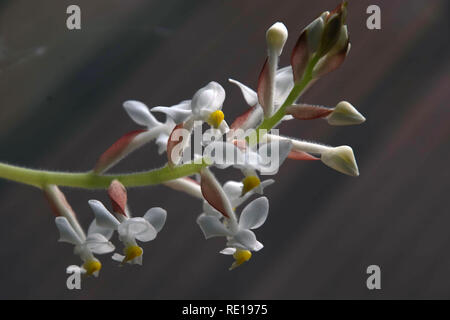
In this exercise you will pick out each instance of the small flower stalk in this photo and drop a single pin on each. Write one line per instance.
(232, 210)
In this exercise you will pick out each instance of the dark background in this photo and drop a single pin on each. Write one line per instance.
(60, 106)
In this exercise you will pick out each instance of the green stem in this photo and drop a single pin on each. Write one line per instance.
(295, 93)
(89, 180)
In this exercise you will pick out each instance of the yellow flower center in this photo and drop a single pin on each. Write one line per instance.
(250, 183)
(92, 266)
(240, 256)
(216, 118)
(132, 252)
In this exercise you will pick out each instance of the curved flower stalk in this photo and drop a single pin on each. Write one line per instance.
(129, 229)
(249, 145)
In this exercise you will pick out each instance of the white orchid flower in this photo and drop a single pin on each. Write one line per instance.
(96, 242)
(240, 239)
(140, 114)
(154, 130)
(130, 229)
(205, 106)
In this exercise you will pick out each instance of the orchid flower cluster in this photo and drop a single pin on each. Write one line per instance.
(256, 148)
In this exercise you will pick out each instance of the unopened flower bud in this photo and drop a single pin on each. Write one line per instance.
(332, 29)
(341, 159)
(276, 37)
(345, 114)
(314, 33)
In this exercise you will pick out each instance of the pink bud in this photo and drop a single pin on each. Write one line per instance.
(118, 196)
(300, 56)
(117, 151)
(308, 112)
(264, 88)
(213, 193)
(331, 62)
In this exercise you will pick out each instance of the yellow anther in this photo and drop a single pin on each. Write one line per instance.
(240, 256)
(92, 266)
(250, 183)
(132, 252)
(216, 118)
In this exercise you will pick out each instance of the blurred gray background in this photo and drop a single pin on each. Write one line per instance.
(60, 107)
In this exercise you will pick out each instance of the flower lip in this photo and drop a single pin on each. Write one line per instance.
(92, 267)
(250, 183)
(240, 256)
(132, 252)
(216, 118)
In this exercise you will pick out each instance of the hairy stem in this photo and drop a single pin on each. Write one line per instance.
(89, 180)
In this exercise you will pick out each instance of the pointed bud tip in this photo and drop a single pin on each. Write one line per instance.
(341, 159)
(276, 37)
(345, 114)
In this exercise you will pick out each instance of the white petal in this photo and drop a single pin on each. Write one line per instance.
(247, 239)
(157, 217)
(210, 98)
(137, 228)
(284, 82)
(209, 210)
(98, 244)
(140, 114)
(211, 226)
(223, 127)
(161, 141)
(250, 96)
(254, 214)
(233, 189)
(104, 218)
(228, 251)
(66, 231)
(185, 105)
(258, 246)
(137, 260)
(118, 257)
(264, 184)
(176, 114)
(95, 228)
